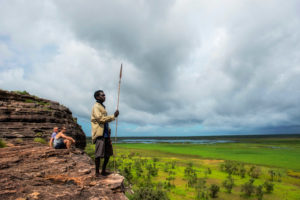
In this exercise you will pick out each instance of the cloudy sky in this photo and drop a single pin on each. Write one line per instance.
(190, 67)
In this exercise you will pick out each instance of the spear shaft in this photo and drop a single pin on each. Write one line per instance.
(115, 153)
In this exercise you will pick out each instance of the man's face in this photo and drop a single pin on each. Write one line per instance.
(101, 96)
(55, 129)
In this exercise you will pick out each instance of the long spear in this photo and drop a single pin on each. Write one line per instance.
(115, 153)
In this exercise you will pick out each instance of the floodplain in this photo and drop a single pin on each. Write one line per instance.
(246, 168)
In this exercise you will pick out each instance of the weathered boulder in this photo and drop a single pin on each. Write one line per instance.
(30, 170)
(26, 116)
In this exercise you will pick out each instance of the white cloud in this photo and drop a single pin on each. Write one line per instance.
(225, 66)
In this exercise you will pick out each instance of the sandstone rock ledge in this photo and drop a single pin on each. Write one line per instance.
(35, 171)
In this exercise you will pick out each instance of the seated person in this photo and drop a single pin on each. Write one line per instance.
(55, 131)
(61, 141)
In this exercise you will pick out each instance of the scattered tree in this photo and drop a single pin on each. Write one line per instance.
(269, 187)
(228, 184)
(214, 189)
(248, 188)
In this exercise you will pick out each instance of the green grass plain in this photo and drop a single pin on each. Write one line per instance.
(279, 155)
(283, 155)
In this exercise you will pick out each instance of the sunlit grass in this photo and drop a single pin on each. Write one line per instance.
(212, 156)
(284, 156)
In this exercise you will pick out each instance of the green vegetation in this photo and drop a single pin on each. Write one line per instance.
(276, 154)
(2, 143)
(21, 92)
(39, 134)
(19, 140)
(32, 98)
(40, 140)
(29, 101)
(40, 102)
(75, 119)
(188, 171)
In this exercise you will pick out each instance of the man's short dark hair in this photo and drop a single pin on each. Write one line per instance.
(97, 93)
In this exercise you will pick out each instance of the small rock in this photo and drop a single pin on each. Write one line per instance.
(94, 198)
(34, 195)
(93, 183)
(84, 171)
(40, 174)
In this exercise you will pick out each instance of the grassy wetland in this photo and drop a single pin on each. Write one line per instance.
(248, 168)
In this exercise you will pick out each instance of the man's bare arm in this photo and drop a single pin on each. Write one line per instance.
(51, 142)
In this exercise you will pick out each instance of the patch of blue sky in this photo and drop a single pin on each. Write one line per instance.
(18, 58)
(48, 50)
(4, 38)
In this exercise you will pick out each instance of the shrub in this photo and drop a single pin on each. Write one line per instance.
(169, 165)
(21, 92)
(39, 134)
(2, 143)
(40, 140)
(242, 171)
(149, 193)
(75, 119)
(29, 101)
(173, 164)
(189, 170)
(248, 188)
(170, 180)
(201, 191)
(214, 189)
(138, 167)
(275, 176)
(202, 195)
(269, 187)
(233, 167)
(208, 170)
(152, 170)
(191, 175)
(19, 140)
(126, 172)
(254, 172)
(192, 179)
(228, 184)
(259, 192)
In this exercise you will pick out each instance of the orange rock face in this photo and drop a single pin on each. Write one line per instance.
(30, 170)
(27, 116)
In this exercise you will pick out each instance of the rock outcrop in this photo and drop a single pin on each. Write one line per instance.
(26, 116)
(30, 170)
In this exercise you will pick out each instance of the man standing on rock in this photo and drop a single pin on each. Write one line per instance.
(101, 132)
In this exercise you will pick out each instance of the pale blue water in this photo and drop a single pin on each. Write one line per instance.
(192, 141)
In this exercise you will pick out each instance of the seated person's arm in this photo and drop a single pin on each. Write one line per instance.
(67, 137)
(51, 142)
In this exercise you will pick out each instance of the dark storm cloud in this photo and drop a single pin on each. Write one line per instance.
(145, 34)
(257, 50)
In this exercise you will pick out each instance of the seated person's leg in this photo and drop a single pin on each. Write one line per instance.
(60, 145)
(67, 143)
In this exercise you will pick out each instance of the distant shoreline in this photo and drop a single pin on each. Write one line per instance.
(202, 139)
(214, 137)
